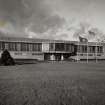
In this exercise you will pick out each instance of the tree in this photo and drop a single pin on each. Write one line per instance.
(87, 31)
(82, 30)
(6, 58)
(97, 34)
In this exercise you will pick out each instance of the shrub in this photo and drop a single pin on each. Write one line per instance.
(6, 58)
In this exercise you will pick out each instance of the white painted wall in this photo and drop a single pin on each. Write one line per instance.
(45, 47)
(26, 55)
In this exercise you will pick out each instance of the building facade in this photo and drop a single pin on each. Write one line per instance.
(44, 49)
(90, 50)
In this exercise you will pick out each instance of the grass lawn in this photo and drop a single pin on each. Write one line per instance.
(60, 83)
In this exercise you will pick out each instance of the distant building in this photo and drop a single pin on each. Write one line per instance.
(45, 49)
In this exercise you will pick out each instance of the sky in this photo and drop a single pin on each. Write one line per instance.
(51, 19)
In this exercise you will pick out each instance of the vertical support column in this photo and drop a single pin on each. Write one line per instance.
(103, 49)
(87, 52)
(54, 46)
(96, 52)
(18, 47)
(77, 51)
(0, 46)
(65, 47)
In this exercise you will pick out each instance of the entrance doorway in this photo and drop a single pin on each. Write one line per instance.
(56, 56)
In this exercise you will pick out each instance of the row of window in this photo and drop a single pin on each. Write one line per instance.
(22, 46)
(16, 46)
(91, 49)
(61, 47)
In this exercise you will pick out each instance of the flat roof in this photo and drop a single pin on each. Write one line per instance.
(36, 40)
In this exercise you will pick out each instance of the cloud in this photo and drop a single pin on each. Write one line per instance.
(34, 15)
(48, 18)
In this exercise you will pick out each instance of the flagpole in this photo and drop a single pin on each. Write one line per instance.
(87, 51)
(77, 51)
(96, 53)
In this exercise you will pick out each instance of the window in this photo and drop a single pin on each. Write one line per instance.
(18, 45)
(99, 49)
(12, 46)
(6, 45)
(83, 49)
(24, 47)
(36, 47)
(69, 47)
(91, 49)
(1, 47)
(59, 47)
(52, 47)
(30, 46)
